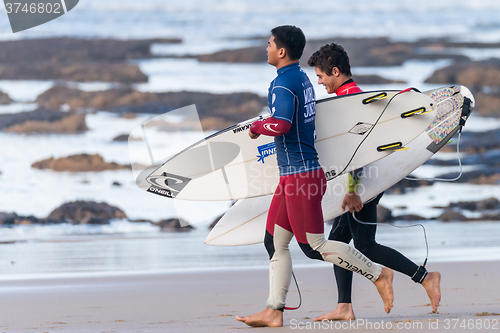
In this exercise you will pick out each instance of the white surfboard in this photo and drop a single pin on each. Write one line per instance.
(244, 223)
(351, 131)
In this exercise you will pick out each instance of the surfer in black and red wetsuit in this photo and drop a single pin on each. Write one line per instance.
(333, 69)
(296, 206)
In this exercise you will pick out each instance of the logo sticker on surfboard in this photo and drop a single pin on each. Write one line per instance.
(168, 185)
(265, 151)
(360, 128)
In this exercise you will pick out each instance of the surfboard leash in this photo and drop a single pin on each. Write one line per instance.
(300, 295)
(446, 179)
(466, 110)
(402, 227)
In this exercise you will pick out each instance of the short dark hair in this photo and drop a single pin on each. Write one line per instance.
(290, 38)
(330, 56)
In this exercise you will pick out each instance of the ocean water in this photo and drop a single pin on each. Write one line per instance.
(209, 26)
(138, 248)
(199, 20)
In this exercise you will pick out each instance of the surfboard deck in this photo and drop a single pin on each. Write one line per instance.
(244, 223)
(351, 131)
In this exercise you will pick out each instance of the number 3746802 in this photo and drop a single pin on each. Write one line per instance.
(33, 8)
(471, 324)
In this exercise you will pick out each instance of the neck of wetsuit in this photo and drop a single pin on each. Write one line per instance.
(348, 87)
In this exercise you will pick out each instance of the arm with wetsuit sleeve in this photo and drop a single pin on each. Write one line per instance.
(271, 127)
(353, 180)
(282, 110)
(352, 198)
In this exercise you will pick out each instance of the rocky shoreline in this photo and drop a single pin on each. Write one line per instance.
(63, 110)
(107, 60)
(73, 59)
(87, 212)
(99, 213)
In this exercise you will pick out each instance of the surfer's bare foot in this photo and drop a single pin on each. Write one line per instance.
(432, 284)
(343, 311)
(384, 287)
(268, 317)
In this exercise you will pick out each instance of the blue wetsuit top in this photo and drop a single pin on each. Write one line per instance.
(291, 97)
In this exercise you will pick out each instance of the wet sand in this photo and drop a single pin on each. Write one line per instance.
(208, 302)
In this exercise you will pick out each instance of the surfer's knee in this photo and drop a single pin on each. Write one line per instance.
(269, 244)
(310, 252)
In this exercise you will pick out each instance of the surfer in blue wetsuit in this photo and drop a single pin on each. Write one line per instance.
(296, 206)
(332, 67)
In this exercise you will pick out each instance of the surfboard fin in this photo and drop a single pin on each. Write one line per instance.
(416, 112)
(395, 146)
(375, 98)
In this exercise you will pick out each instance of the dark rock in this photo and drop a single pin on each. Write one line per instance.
(484, 176)
(212, 225)
(78, 163)
(404, 184)
(245, 55)
(362, 52)
(73, 50)
(174, 225)
(495, 216)
(86, 212)
(486, 204)
(4, 98)
(450, 215)
(469, 73)
(79, 72)
(71, 124)
(122, 137)
(43, 121)
(9, 219)
(409, 217)
(487, 104)
(216, 111)
(384, 214)
(116, 184)
(480, 142)
(374, 79)
(74, 59)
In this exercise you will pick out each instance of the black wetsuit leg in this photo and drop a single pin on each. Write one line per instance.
(340, 232)
(364, 240)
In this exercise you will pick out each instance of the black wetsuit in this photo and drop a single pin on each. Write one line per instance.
(345, 228)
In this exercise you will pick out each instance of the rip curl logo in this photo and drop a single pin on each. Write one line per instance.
(26, 14)
(170, 184)
(265, 151)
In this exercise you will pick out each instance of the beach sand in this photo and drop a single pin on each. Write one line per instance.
(209, 301)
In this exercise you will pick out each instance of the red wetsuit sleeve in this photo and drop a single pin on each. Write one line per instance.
(271, 127)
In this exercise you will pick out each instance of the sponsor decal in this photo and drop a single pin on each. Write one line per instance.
(159, 191)
(273, 99)
(352, 268)
(268, 127)
(309, 104)
(241, 128)
(360, 128)
(330, 174)
(169, 184)
(265, 151)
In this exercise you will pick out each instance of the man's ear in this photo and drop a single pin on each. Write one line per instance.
(282, 53)
(335, 71)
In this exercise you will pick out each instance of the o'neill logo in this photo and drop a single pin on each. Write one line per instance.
(26, 14)
(167, 185)
(266, 150)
